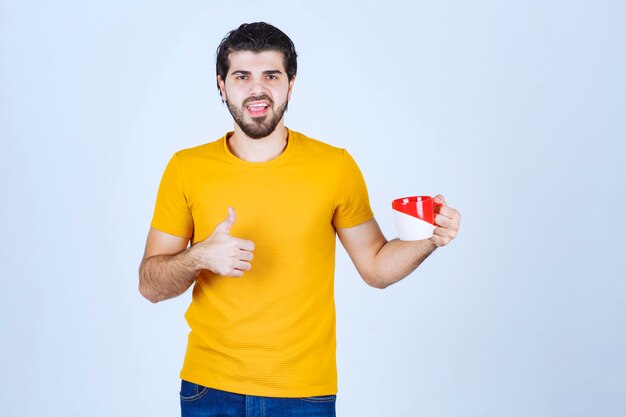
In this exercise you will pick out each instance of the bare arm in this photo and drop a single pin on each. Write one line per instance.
(168, 269)
(382, 263)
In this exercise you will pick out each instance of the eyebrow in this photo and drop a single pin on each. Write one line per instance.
(268, 72)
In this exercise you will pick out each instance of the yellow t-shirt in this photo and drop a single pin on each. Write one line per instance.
(272, 331)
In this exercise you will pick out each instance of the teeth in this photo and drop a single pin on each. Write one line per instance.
(257, 106)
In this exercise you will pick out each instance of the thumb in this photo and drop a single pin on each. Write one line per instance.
(228, 222)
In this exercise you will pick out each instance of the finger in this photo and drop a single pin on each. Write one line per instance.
(232, 215)
(244, 255)
(242, 266)
(245, 244)
(440, 231)
(236, 273)
(442, 236)
(450, 213)
(445, 232)
(227, 223)
(440, 199)
(445, 211)
(442, 221)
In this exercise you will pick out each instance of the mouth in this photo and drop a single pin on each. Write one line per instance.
(257, 108)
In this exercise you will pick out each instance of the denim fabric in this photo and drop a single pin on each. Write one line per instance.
(196, 401)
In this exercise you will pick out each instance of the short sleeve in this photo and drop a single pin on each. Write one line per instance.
(171, 212)
(352, 205)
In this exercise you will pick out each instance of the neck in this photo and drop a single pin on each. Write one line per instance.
(258, 150)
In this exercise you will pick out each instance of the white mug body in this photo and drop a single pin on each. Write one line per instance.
(412, 228)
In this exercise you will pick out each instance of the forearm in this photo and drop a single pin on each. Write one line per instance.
(396, 259)
(167, 276)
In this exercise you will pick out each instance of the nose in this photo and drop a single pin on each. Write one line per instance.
(257, 88)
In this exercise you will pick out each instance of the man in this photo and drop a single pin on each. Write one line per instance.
(262, 319)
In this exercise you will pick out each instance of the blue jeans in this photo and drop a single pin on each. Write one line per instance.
(196, 401)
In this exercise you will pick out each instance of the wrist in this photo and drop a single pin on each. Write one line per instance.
(194, 260)
(431, 244)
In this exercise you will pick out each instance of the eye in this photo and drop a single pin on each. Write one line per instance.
(241, 77)
(272, 77)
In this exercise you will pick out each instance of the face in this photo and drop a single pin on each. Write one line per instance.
(256, 91)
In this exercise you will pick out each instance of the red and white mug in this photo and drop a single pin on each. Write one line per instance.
(415, 217)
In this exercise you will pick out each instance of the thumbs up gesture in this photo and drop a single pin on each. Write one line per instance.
(222, 253)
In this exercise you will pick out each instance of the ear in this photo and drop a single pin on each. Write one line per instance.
(293, 80)
(222, 86)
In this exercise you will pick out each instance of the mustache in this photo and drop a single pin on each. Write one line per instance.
(264, 97)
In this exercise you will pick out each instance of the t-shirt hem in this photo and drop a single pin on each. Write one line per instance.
(170, 230)
(356, 221)
(244, 389)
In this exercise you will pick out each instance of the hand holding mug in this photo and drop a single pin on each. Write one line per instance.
(424, 217)
(448, 221)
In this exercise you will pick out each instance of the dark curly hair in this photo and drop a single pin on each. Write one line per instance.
(256, 37)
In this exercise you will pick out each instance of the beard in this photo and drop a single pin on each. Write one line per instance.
(262, 126)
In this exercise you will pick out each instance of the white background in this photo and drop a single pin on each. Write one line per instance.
(515, 111)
